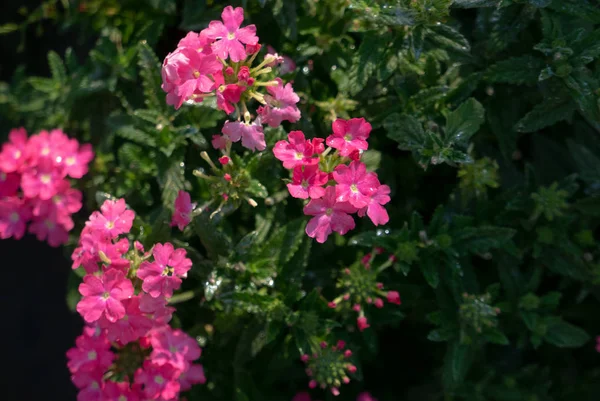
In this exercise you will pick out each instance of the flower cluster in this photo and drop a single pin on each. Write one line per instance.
(360, 288)
(127, 350)
(329, 366)
(34, 185)
(218, 61)
(337, 183)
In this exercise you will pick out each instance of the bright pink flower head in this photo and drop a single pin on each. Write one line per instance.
(14, 215)
(281, 105)
(133, 325)
(173, 347)
(378, 303)
(90, 354)
(75, 163)
(52, 228)
(12, 157)
(46, 147)
(156, 309)
(119, 391)
(114, 218)
(355, 185)
(349, 135)
(66, 202)
(193, 375)
(362, 323)
(164, 275)
(158, 382)
(393, 297)
(9, 184)
(219, 141)
(308, 182)
(42, 181)
(228, 96)
(297, 152)
(183, 210)
(90, 386)
(329, 215)
(252, 135)
(365, 397)
(374, 209)
(103, 296)
(198, 42)
(229, 37)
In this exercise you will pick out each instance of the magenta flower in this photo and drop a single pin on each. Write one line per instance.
(229, 37)
(133, 325)
(173, 347)
(219, 141)
(228, 96)
(365, 397)
(354, 184)
(156, 309)
(66, 202)
(193, 375)
(75, 162)
(297, 152)
(52, 228)
(103, 296)
(114, 218)
(251, 134)
(89, 354)
(183, 210)
(12, 157)
(118, 391)
(90, 385)
(158, 382)
(329, 215)
(9, 184)
(281, 105)
(198, 42)
(349, 136)
(164, 275)
(42, 182)
(393, 297)
(308, 182)
(14, 215)
(374, 209)
(362, 323)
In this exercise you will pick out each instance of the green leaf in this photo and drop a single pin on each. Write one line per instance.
(57, 68)
(214, 240)
(463, 122)
(495, 336)
(284, 12)
(456, 364)
(372, 159)
(8, 28)
(548, 112)
(149, 66)
(523, 70)
(171, 181)
(246, 243)
(135, 135)
(429, 268)
(257, 189)
(369, 55)
(406, 130)
(589, 206)
(448, 37)
(475, 3)
(482, 239)
(565, 335)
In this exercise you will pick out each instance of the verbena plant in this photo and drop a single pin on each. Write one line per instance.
(271, 201)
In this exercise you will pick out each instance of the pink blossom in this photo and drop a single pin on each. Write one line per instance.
(14, 215)
(219, 141)
(308, 182)
(42, 181)
(251, 134)
(281, 105)
(229, 37)
(302, 396)
(197, 41)
(349, 135)
(355, 185)
(173, 347)
(52, 228)
(119, 391)
(75, 163)
(156, 309)
(92, 391)
(133, 325)
(9, 184)
(103, 296)
(89, 354)
(297, 152)
(164, 275)
(228, 96)
(330, 215)
(46, 147)
(365, 396)
(66, 202)
(12, 157)
(393, 297)
(193, 375)
(287, 64)
(362, 323)
(183, 210)
(374, 209)
(378, 303)
(158, 381)
(114, 218)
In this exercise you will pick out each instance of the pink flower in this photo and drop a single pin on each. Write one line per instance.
(281, 105)
(52, 228)
(219, 141)
(307, 182)
(349, 135)
(362, 323)
(330, 215)
(297, 152)
(228, 96)
(12, 157)
(90, 354)
(302, 396)
(9, 184)
(158, 381)
(365, 397)
(163, 275)
(193, 375)
(251, 134)
(229, 37)
(183, 209)
(90, 385)
(355, 185)
(14, 215)
(114, 218)
(198, 42)
(103, 296)
(75, 163)
(156, 309)
(378, 303)
(118, 391)
(42, 182)
(393, 297)
(66, 202)
(133, 325)
(374, 209)
(173, 347)
(46, 147)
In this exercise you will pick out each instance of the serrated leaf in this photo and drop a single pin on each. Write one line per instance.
(406, 130)
(516, 70)
(135, 135)
(214, 240)
(448, 37)
(246, 243)
(257, 189)
(482, 239)
(475, 3)
(45, 85)
(57, 68)
(429, 268)
(495, 336)
(284, 12)
(171, 181)
(367, 58)
(456, 364)
(565, 335)
(149, 66)
(465, 121)
(547, 113)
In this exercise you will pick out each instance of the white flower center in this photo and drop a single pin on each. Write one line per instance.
(231, 35)
(329, 211)
(92, 355)
(14, 217)
(45, 178)
(354, 188)
(69, 161)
